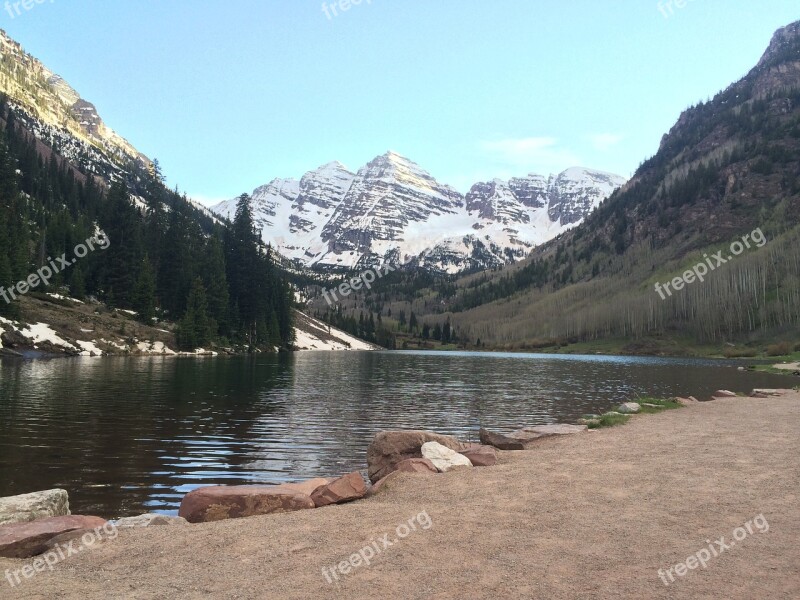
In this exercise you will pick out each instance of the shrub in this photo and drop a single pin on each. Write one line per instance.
(739, 352)
(779, 349)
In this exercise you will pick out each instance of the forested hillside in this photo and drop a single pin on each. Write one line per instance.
(166, 260)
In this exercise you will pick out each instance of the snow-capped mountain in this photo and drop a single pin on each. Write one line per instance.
(394, 211)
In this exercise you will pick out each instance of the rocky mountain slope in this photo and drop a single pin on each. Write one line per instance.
(394, 211)
(57, 115)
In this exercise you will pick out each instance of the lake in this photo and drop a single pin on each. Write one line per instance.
(131, 435)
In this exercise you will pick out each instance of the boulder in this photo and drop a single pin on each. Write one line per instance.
(417, 465)
(629, 408)
(481, 456)
(30, 507)
(306, 487)
(724, 394)
(389, 448)
(218, 503)
(549, 430)
(345, 489)
(23, 540)
(529, 435)
(686, 401)
(499, 441)
(149, 520)
(443, 458)
(765, 393)
(63, 540)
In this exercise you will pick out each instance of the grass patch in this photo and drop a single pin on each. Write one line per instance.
(609, 420)
(662, 404)
(612, 420)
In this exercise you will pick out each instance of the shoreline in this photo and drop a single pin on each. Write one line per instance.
(551, 503)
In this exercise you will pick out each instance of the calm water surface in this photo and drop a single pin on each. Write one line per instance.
(132, 435)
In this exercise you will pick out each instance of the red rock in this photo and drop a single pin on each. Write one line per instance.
(305, 487)
(481, 456)
(417, 465)
(499, 441)
(345, 489)
(389, 448)
(218, 503)
(23, 540)
(724, 394)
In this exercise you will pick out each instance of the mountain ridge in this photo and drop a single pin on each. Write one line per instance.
(392, 210)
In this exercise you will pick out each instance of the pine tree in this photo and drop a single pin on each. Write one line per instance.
(77, 283)
(194, 330)
(216, 284)
(144, 293)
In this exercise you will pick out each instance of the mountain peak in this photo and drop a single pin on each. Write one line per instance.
(782, 40)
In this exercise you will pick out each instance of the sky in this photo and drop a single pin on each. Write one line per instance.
(231, 94)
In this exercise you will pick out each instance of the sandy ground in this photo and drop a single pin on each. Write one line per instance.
(593, 516)
(788, 366)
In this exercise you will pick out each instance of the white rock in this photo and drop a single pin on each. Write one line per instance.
(30, 507)
(629, 408)
(443, 458)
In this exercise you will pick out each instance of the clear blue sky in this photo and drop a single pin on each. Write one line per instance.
(230, 94)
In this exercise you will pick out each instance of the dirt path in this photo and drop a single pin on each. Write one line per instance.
(595, 516)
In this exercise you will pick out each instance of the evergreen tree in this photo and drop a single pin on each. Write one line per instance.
(77, 283)
(216, 283)
(144, 294)
(194, 330)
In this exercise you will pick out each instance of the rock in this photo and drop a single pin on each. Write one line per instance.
(724, 394)
(686, 401)
(647, 404)
(499, 441)
(149, 520)
(589, 422)
(481, 456)
(23, 540)
(443, 458)
(529, 435)
(389, 448)
(345, 489)
(64, 539)
(550, 430)
(306, 487)
(629, 408)
(30, 507)
(765, 393)
(417, 465)
(218, 503)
